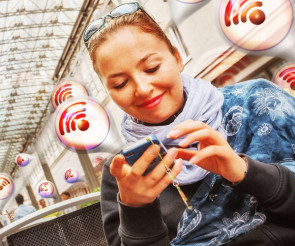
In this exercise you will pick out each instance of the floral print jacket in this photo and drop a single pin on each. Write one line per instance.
(259, 118)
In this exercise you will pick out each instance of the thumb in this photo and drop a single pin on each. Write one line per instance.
(119, 167)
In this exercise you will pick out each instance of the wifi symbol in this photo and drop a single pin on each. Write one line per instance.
(22, 159)
(3, 182)
(46, 189)
(81, 124)
(68, 174)
(66, 90)
(63, 93)
(19, 160)
(233, 8)
(289, 76)
(72, 116)
(71, 175)
(43, 187)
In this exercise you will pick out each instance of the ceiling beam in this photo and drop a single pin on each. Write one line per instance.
(38, 11)
(74, 40)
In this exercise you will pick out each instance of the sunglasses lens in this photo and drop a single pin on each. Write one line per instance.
(124, 9)
(93, 28)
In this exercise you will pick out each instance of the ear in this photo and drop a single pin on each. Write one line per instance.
(178, 59)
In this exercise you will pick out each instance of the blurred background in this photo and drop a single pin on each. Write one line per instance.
(41, 45)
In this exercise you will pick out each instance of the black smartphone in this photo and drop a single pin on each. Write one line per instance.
(134, 151)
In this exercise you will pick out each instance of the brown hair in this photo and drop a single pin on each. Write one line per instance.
(138, 19)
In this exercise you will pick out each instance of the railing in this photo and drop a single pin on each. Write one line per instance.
(25, 221)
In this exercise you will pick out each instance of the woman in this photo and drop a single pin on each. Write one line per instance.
(235, 200)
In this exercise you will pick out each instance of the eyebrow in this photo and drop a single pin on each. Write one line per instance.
(142, 60)
(145, 58)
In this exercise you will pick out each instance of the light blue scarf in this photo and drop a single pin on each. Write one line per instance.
(203, 103)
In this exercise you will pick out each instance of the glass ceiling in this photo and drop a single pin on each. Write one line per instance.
(33, 34)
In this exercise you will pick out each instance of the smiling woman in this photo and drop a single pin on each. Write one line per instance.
(235, 199)
(149, 77)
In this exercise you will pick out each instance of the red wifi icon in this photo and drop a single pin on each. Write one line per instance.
(68, 174)
(72, 116)
(63, 93)
(289, 76)
(19, 160)
(236, 8)
(285, 78)
(6, 186)
(66, 90)
(3, 182)
(81, 124)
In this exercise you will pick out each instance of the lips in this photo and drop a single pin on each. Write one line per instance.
(152, 102)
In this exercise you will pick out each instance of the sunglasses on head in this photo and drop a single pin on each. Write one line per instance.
(121, 10)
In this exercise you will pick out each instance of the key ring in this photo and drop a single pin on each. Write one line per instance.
(173, 181)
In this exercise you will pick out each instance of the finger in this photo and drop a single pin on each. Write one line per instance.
(186, 154)
(145, 160)
(119, 167)
(166, 180)
(186, 127)
(160, 169)
(209, 152)
(208, 134)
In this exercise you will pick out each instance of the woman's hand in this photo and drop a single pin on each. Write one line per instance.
(137, 190)
(214, 154)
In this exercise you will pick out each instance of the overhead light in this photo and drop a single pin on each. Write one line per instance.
(49, 34)
(58, 6)
(42, 56)
(14, 37)
(45, 45)
(11, 101)
(13, 94)
(22, 9)
(54, 21)
(18, 24)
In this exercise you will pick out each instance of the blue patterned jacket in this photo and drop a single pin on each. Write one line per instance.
(259, 118)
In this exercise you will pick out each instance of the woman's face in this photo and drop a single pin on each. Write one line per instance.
(141, 74)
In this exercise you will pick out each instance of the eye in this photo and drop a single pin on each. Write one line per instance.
(152, 70)
(121, 85)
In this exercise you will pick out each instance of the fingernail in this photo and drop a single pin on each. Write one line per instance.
(172, 153)
(173, 133)
(184, 142)
(153, 150)
(194, 160)
(179, 161)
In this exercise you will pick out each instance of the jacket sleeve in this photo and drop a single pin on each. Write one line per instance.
(273, 185)
(125, 225)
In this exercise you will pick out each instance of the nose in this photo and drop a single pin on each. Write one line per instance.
(144, 88)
